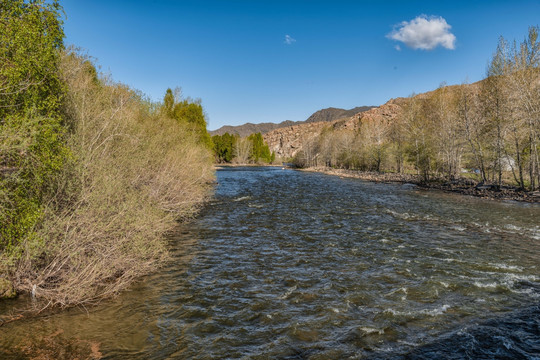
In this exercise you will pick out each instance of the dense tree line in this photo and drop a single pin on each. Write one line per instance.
(248, 150)
(490, 129)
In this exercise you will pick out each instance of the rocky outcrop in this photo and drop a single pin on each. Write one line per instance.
(383, 114)
(288, 141)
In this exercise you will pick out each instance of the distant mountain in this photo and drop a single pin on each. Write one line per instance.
(249, 128)
(329, 114)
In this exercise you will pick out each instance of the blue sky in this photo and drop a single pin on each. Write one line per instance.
(269, 61)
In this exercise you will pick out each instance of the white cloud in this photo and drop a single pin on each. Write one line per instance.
(289, 40)
(424, 33)
(397, 47)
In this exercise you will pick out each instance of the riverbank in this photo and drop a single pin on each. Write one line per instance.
(462, 186)
(131, 173)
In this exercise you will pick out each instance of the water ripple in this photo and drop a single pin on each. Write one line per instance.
(291, 265)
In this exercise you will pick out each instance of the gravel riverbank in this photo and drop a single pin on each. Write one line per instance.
(462, 186)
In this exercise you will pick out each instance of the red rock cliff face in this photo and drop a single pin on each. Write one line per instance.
(287, 142)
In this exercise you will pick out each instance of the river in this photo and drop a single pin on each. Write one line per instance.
(283, 264)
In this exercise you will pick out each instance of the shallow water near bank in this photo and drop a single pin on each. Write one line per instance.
(293, 265)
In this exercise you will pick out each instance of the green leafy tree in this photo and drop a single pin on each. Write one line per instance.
(31, 33)
(192, 112)
(32, 149)
(260, 150)
(168, 103)
(224, 146)
(188, 111)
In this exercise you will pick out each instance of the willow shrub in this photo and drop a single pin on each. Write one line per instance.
(133, 174)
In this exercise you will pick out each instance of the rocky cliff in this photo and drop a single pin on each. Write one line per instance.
(382, 114)
(287, 141)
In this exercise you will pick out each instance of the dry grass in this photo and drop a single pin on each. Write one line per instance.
(134, 174)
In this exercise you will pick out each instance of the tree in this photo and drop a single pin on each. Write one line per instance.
(31, 33)
(32, 149)
(444, 116)
(188, 111)
(495, 106)
(259, 149)
(523, 81)
(396, 135)
(419, 135)
(308, 156)
(374, 139)
(168, 103)
(224, 146)
(242, 150)
(473, 126)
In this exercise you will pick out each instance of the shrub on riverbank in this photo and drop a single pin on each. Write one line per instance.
(134, 172)
(119, 174)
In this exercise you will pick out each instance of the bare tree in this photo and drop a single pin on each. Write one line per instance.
(374, 137)
(473, 126)
(494, 97)
(524, 84)
(242, 150)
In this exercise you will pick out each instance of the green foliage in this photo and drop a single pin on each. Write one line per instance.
(168, 103)
(187, 111)
(190, 112)
(252, 149)
(224, 146)
(260, 150)
(32, 146)
(30, 34)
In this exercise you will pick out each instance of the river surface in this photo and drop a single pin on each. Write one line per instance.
(283, 264)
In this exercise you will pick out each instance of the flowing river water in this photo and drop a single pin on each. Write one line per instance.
(292, 265)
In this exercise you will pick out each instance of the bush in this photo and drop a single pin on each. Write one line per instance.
(132, 174)
(92, 175)
(32, 143)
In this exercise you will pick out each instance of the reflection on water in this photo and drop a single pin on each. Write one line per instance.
(285, 264)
